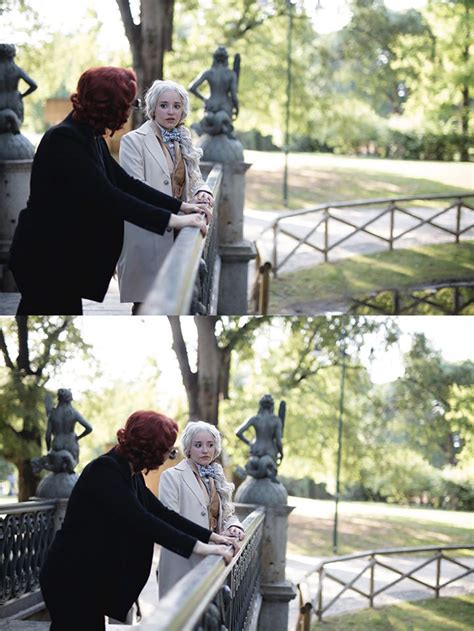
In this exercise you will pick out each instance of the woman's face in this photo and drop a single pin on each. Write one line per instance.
(203, 448)
(169, 109)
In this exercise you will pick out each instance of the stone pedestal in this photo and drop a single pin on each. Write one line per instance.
(234, 250)
(56, 485)
(14, 192)
(276, 590)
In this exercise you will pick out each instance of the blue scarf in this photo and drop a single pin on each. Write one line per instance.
(206, 471)
(171, 136)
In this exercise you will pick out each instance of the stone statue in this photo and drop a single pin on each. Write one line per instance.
(61, 440)
(222, 106)
(13, 146)
(266, 450)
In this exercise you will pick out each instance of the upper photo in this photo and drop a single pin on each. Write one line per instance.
(232, 157)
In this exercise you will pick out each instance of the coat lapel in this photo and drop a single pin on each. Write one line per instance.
(153, 148)
(194, 486)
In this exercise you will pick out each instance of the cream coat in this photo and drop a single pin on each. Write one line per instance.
(180, 491)
(143, 252)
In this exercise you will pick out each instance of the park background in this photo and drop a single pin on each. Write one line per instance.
(407, 450)
(379, 107)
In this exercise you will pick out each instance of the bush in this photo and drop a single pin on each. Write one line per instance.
(305, 487)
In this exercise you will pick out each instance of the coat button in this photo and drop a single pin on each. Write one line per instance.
(203, 513)
(166, 182)
(169, 229)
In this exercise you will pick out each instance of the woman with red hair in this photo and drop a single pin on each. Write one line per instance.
(100, 560)
(70, 235)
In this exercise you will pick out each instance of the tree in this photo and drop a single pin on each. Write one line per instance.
(419, 408)
(150, 38)
(217, 338)
(41, 346)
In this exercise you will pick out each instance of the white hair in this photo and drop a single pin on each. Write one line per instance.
(223, 487)
(191, 154)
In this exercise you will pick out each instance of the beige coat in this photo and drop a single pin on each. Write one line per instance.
(143, 252)
(180, 491)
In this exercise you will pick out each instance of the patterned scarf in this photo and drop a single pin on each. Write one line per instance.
(171, 136)
(206, 471)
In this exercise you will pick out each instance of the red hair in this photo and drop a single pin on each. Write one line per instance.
(146, 438)
(104, 97)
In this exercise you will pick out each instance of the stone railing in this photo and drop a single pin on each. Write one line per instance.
(188, 280)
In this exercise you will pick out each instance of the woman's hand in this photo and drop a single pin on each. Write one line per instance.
(234, 531)
(205, 549)
(194, 220)
(198, 207)
(203, 197)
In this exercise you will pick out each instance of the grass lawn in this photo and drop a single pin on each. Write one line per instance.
(316, 178)
(360, 275)
(371, 525)
(444, 614)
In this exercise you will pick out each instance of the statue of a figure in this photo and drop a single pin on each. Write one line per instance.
(61, 440)
(222, 106)
(11, 99)
(266, 450)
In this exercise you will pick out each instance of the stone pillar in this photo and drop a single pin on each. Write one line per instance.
(276, 590)
(14, 192)
(234, 250)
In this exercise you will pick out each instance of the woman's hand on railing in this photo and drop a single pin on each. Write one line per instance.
(193, 220)
(235, 531)
(223, 550)
(197, 207)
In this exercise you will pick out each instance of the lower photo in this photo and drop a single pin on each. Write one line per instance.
(236, 473)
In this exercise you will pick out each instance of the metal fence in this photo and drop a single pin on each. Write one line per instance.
(26, 531)
(188, 280)
(325, 572)
(323, 237)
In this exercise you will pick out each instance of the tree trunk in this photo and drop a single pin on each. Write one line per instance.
(149, 40)
(209, 365)
(27, 480)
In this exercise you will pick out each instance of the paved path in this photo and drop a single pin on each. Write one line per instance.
(257, 220)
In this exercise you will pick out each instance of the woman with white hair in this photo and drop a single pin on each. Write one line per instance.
(197, 489)
(160, 153)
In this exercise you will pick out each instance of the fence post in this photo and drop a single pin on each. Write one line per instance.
(392, 226)
(458, 220)
(326, 236)
(372, 570)
(438, 573)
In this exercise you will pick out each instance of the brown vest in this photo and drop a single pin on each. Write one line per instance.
(177, 168)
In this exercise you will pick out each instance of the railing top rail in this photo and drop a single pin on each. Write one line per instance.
(366, 202)
(200, 585)
(173, 287)
(381, 551)
(26, 507)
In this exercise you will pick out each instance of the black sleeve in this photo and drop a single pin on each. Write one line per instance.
(72, 161)
(111, 491)
(141, 190)
(178, 521)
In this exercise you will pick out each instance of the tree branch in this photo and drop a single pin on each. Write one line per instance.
(23, 359)
(179, 347)
(48, 345)
(6, 355)
(132, 30)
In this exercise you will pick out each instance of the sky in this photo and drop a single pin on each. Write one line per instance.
(124, 345)
(62, 16)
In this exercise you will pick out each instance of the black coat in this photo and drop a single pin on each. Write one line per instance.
(105, 546)
(72, 229)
